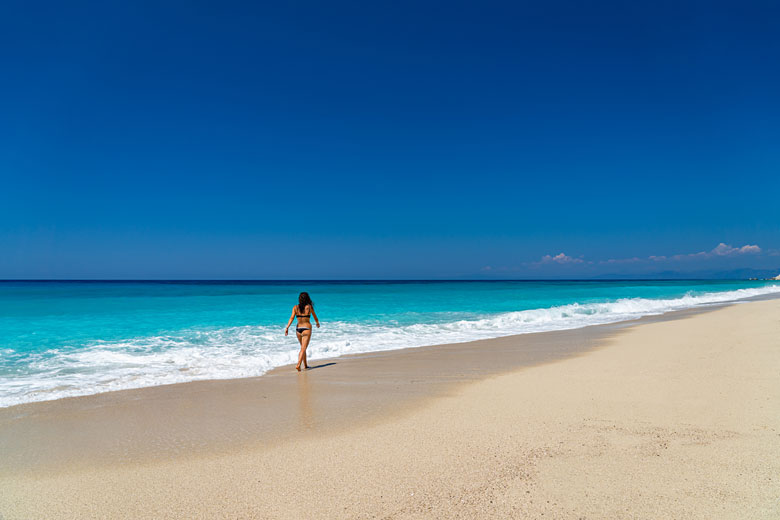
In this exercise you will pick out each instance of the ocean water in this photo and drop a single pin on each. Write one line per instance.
(60, 339)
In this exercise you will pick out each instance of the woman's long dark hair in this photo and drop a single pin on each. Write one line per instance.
(303, 301)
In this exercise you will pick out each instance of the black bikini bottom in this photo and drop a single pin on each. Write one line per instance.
(300, 330)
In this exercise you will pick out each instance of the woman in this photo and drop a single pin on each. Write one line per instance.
(303, 311)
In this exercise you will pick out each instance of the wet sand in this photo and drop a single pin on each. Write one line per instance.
(667, 418)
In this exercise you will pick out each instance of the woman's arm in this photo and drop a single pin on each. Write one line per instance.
(289, 322)
(315, 317)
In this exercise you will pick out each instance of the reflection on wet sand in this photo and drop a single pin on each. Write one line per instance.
(305, 413)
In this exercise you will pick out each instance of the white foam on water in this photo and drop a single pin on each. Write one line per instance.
(250, 351)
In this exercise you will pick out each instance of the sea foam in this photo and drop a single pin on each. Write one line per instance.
(249, 351)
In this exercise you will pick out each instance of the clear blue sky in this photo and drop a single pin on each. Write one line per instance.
(387, 140)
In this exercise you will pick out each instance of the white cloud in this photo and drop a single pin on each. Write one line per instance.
(719, 251)
(560, 258)
(621, 260)
(700, 254)
(726, 250)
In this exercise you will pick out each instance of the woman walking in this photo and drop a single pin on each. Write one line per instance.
(303, 311)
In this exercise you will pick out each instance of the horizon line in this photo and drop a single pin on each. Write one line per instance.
(280, 280)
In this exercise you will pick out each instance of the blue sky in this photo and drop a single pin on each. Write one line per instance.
(394, 140)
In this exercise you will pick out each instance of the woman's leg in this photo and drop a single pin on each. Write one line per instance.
(304, 345)
(302, 353)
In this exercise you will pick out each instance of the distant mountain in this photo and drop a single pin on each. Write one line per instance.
(711, 274)
(734, 274)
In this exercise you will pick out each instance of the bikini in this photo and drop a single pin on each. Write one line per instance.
(300, 330)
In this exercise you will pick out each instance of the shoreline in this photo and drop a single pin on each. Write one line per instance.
(618, 324)
(338, 393)
(62, 378)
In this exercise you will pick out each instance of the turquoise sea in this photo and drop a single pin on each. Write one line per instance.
(61, 339)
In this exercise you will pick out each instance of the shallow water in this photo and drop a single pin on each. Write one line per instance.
(61, 339)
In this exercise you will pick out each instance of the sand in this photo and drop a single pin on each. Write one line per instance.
(669, 419)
